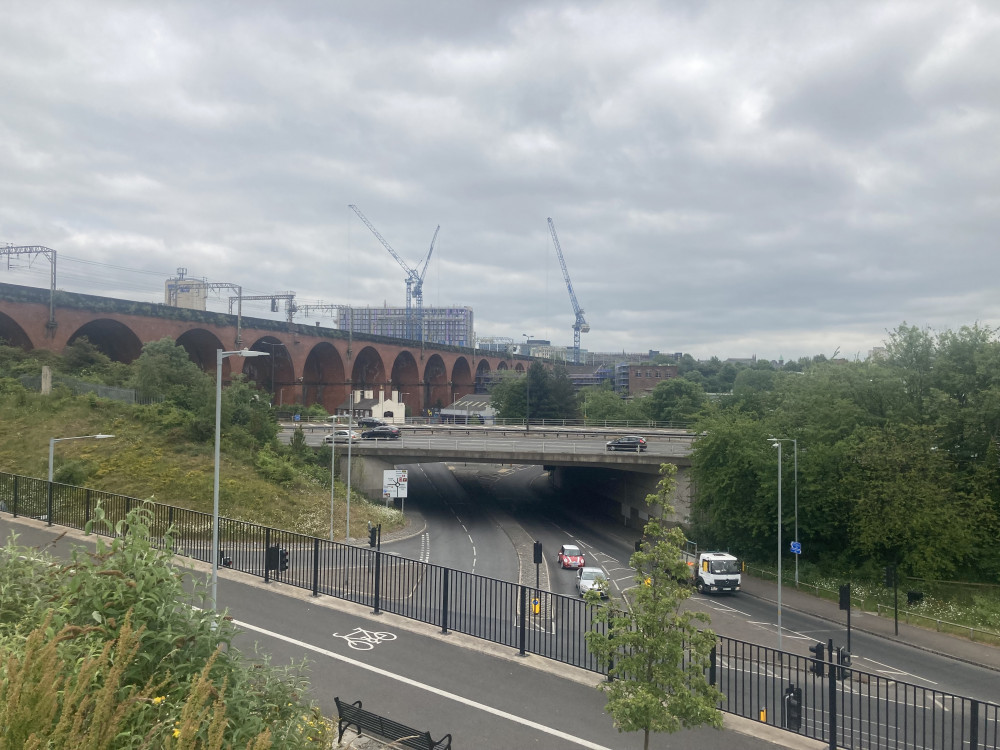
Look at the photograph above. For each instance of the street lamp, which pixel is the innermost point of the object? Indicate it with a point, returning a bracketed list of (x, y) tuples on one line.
[(53, 441), (776, 442), (527, 388), (220, 355)]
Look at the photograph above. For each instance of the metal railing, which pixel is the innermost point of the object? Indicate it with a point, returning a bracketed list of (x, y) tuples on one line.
[(844, 707), (476, 605)]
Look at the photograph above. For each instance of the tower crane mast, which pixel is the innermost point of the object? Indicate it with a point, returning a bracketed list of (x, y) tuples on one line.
[(414, 278), (580, 325)]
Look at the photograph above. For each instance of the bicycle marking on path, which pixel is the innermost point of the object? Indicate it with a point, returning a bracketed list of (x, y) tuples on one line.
[(365, 640)]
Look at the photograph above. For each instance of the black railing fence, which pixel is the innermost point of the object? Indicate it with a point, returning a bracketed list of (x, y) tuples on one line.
[(844, 707)]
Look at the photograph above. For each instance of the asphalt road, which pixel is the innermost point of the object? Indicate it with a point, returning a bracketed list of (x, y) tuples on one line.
[(485, 696), (524, 499)]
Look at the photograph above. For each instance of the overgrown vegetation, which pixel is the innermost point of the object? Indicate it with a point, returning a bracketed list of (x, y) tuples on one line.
[(165, 451), (898, 461), (109, 651)]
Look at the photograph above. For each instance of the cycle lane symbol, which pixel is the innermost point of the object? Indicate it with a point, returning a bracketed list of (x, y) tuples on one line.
[(365, 640)]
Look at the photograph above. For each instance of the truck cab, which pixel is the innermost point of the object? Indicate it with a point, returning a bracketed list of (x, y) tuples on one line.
[(716, 572)]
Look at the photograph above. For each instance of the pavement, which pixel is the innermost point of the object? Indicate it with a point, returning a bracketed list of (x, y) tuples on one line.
[(925, 639)]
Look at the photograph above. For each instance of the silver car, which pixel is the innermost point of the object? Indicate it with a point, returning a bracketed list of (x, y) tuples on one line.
[(591, 578), (342, 436)]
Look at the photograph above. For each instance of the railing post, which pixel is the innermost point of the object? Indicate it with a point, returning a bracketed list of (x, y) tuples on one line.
[(444, 601), (15, 501), (86, 508), (712, 662), (316, 566), (267, 546), (522, 621), (378, 582), (974, 729), (48, 515), (832, 675)]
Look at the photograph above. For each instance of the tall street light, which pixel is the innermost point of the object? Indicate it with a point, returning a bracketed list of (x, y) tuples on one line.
[(527, 388), (220, 355), (795, 447), (53, 441), (776, 442)]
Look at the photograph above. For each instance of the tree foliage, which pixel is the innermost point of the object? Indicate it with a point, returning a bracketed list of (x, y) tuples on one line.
[(897, 458), (656, 655), (541, 394)]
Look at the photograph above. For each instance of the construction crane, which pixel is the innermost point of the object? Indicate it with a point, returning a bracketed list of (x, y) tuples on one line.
[(414, 278), (580, 325)]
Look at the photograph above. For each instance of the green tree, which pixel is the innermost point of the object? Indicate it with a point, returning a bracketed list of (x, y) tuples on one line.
[(601, 404), (676, 400), (164, 369), (541, 394), (657, 657), (906, 509)]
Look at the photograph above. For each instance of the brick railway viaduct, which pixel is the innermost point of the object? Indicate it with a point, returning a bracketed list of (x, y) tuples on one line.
[(312, 364), (308, 364)]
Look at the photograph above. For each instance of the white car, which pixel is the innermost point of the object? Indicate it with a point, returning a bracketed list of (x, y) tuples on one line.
[(590, 578), (342, 436)]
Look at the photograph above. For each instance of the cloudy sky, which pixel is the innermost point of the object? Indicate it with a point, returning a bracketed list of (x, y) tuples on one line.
[(738, 178)]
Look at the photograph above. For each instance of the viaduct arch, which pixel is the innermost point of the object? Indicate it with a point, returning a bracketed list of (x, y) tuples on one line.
[(308, 364)]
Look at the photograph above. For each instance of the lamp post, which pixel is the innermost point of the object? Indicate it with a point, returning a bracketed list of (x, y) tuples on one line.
[(527, 389), (220, 355), (795, 447), (777, 443), (53, 441), (350, 440)]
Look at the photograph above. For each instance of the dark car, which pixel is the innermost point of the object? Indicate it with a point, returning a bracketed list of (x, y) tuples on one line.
[(382, 432), (632, 443), (370, 422)]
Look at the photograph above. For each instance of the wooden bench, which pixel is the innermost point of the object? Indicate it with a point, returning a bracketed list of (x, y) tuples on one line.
[(352, 714)]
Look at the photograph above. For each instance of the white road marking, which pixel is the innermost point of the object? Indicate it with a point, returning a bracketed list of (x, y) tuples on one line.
[(429, 688), (892, 670)]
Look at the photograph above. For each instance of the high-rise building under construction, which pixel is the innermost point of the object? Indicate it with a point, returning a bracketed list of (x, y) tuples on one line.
[(441, 325)]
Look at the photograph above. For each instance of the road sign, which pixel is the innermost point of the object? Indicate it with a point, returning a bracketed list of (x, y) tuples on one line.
[(796, 548), (394, 483)]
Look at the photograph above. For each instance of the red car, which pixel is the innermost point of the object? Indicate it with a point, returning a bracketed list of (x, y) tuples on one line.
[(570, 556)]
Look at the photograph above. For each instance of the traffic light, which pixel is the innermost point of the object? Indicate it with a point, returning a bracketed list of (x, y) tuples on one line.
[(538, 553), (845, 596), (844, 661), (282, 558), (793, 708), (638, 545), (890, 576), (271, 558), (225, 562), (818, 667), (372, 536)]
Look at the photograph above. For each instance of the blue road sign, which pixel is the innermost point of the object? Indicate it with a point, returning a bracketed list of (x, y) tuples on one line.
[(796, 548)]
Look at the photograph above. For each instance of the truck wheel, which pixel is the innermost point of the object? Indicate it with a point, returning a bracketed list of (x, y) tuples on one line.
[(701, 587)]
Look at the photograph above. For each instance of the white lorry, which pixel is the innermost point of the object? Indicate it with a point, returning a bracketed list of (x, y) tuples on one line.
[(715, 571)]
